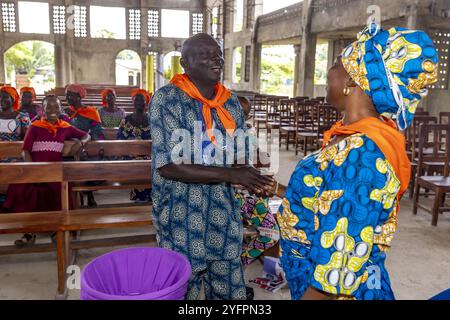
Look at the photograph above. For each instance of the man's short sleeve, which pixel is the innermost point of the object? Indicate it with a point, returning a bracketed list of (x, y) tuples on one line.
[(165, 119)]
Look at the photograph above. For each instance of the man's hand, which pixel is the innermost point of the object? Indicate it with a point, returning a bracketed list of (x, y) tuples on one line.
[(252, 180)]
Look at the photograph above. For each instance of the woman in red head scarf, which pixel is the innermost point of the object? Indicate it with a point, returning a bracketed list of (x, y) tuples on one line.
[(110, 114), (27, 98)]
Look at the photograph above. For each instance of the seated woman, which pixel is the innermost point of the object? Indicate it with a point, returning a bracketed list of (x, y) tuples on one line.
[(13, 123), (44, 142), (27, 105), (84, 118), (339, 215), (110, 114), (136, 126)]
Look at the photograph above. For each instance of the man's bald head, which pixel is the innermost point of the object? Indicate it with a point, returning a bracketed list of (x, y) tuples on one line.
[(202, 59), (194, 42)]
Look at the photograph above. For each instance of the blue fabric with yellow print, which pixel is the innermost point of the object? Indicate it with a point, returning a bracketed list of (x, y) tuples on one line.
[(201, 221), (338, 219), (393, 67)]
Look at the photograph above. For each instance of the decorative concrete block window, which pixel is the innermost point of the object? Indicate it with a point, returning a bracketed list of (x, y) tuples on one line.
[(238, 15), (79, 21), (9, 17), (237, 64), (59, 19), (153, 23), (107, 22), (33, 17), (175, 23), (134, 24), (197, 23), (442, 43)]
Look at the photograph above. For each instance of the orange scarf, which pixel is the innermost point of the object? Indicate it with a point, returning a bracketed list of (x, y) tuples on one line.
[(183, 82), (52, 128), (385, 135), (87, 112)]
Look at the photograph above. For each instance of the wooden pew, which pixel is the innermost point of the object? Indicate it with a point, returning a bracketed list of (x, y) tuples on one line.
[(106, 149), (67, 220)]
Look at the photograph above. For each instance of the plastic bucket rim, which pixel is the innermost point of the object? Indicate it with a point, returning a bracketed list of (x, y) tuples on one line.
[(184, 278)]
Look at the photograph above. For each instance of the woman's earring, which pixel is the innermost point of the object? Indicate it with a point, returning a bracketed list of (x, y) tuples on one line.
[(346, 91)]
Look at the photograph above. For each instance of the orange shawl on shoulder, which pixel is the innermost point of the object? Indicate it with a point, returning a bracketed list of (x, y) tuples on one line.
[(87, 112), (386, 136), (52, 128)]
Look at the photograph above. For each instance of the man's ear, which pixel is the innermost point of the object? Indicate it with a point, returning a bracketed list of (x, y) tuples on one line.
[(184, 64)]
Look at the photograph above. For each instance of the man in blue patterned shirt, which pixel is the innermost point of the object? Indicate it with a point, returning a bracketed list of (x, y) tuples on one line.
[(194, 209)]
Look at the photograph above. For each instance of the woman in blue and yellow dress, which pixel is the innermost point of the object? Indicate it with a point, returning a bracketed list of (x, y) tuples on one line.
[(339, 215)]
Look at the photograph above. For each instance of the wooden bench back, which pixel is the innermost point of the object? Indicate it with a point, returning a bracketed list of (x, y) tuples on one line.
[(76, 171), (119, 148), (35, 172)]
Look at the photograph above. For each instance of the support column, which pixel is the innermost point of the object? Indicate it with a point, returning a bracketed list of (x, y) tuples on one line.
[(330, 58), (2, 63), (145, 47), (411, 20), (297, 67), (175, 65), (159, 73), (59, 63), (256, 68), (150, 74), (307, 61)]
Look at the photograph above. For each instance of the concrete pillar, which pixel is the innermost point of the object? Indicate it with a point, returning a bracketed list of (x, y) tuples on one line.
[(2, 61), (159, 74), (255, 76), (150, 74), (145, 45), (411, 19), (297, 49), (60, 78), (305, 86), (330, 54), (175, 66)]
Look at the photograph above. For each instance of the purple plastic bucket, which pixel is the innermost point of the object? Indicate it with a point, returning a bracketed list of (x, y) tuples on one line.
[(136, 274)]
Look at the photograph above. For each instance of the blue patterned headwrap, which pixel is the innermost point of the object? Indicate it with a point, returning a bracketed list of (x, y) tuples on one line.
[(393, 67)]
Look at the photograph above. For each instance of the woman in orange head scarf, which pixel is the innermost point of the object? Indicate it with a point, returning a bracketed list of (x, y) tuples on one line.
[(81, 116), (14, 96), (27, 98), (136, 126), (110, 114), (13, 123)]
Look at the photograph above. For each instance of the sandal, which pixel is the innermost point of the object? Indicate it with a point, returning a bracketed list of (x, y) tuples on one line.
[(28, 239)]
